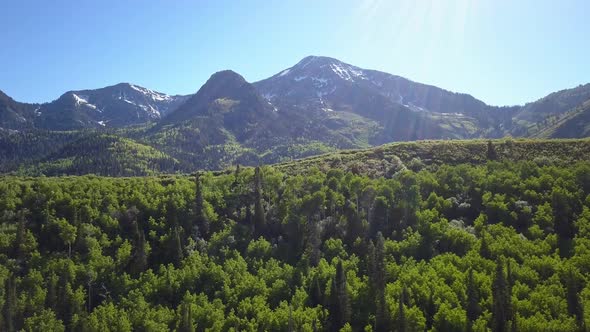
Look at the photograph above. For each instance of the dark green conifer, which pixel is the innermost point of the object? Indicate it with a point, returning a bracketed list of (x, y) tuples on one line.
[(501, 300), (259, 214), (202, 221), (472, 309), (402, 324), (10, 305), (339, 300), (491, 153)]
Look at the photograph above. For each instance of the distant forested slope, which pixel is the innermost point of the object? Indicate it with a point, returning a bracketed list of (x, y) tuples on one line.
[(466, 246)]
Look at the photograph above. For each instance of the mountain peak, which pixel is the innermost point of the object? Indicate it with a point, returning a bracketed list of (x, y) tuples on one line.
[(222, 82), (321, 69), (317, 60), (229, 87), (226, 76)]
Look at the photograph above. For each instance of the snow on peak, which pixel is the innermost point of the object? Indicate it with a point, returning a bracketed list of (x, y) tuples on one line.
[(154, 95), (80, 99), (83, 100), (285, 72), (347, 72)]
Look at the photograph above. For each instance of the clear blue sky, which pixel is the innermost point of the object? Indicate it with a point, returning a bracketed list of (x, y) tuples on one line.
[(500, 51)]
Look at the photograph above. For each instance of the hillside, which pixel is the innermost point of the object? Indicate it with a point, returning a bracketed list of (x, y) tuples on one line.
[(15, 115), (102, 154), (389, 159), (318, 105), (454, 247)]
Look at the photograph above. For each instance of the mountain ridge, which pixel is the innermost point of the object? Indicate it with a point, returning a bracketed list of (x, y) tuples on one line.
[(318, 105)]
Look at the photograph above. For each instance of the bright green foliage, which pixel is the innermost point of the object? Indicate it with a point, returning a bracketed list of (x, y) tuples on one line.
[(495, 246)]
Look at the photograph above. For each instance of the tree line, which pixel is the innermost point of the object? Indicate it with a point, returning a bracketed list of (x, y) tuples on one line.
[(501, 246)]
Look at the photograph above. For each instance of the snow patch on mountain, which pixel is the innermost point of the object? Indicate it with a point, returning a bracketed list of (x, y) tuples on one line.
[(154, 95), (348, 73), (152, 112), (83, 100), (285, 72)]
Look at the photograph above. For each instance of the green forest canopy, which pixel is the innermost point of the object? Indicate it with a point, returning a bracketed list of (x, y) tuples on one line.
[(498, 246)]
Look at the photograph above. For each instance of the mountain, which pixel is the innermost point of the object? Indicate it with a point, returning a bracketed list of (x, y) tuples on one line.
[(318, 105), (15, 115), (226, 119), (119, 105), (404, 110), (560, 114), (228, 97)]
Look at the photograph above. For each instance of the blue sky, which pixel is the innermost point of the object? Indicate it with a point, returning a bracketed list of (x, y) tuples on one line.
[(500, 51)]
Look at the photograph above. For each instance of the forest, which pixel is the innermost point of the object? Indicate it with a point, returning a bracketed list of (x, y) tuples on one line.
[(495, 246)]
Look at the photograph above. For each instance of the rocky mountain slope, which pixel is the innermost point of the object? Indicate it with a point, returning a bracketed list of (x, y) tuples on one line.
[(318, 105)]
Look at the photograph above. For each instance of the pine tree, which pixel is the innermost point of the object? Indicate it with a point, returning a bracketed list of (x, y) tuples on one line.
[(17, 251), (259, 214), (402, 325), (381, 310), (202, 221), (472, 309), (51, 298), (63, 287), (430, 310), (139, 260), (186, 320), (380, 216), (9, 310), (491, 153), (291, 326), (501, 300), (339, 301), (354, 225), (484, 249), (511, 306), (574, 306), (315, 292), (313, 243), (176, 246)]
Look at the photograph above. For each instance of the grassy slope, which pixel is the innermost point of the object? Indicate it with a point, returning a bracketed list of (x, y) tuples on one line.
[(390, 158)]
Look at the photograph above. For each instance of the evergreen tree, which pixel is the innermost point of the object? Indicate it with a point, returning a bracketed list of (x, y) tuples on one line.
[(472, 309), (259, 214), (10, 305), (430, 310), (501, 300), (380, 216), (491, 153), (186, 320), (202, 221), (139, 259), (339, 301), (176, 249), (402, 324), (315, 292), (291, 327), (484, 249), (62, 309), (354, 225), (574, 305), (52, 292), (378, 280), (17, 251)]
